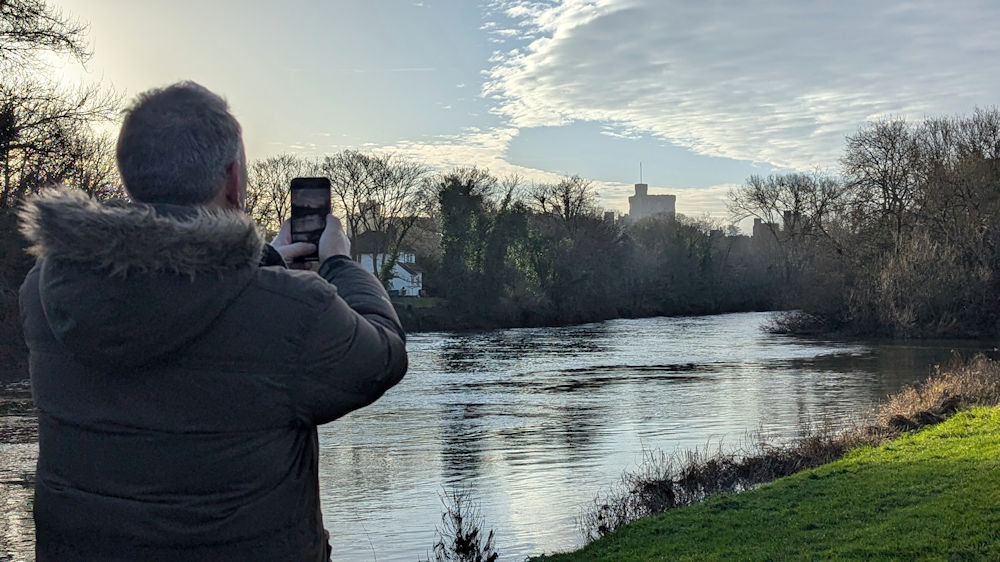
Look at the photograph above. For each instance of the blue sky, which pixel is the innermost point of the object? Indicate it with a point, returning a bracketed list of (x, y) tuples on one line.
[(702, 93)]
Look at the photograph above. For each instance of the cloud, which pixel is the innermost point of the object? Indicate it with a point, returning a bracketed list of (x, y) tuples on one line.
[(473, 147), (778, 81), (403, 69), (701, 201), (620, 132)]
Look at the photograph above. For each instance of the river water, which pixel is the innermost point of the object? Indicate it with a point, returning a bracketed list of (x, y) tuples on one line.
[(531, 424)]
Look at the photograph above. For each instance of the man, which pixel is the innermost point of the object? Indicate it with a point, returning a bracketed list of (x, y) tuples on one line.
[(179, 379)]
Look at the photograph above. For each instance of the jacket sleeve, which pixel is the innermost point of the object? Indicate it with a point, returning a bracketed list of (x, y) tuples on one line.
[(270, 257), (355, 351)]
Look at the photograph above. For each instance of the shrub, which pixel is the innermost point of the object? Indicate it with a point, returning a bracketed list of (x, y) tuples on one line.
[(461, 537)]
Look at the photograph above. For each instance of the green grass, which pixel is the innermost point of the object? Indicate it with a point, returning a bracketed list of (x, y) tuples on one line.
[(933, 495)]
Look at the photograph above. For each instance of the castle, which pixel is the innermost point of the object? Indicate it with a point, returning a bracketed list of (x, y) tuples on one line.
[(642, 204)]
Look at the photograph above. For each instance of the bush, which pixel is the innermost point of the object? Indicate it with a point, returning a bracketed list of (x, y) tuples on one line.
[(461, 537)]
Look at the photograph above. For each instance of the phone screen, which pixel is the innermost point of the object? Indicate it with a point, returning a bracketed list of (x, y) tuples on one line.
[(310, 206)]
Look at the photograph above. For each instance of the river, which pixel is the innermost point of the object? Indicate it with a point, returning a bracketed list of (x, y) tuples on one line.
[(533, 423)]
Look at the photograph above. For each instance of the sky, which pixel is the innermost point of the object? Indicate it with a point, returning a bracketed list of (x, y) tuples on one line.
[(703, 94)]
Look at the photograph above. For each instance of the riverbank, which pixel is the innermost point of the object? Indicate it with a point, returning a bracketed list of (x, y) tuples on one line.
[(432, 314), (927, 495)]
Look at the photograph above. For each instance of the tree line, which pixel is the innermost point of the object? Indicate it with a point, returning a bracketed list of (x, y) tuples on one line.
[(505, 252), (904, 242)]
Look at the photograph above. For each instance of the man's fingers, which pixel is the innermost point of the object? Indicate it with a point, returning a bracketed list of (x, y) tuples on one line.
[(284, 236), (334, 241), (296, 249)]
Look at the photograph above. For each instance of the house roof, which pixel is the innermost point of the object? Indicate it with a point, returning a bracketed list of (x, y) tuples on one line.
[(411, 268), (373, 242)]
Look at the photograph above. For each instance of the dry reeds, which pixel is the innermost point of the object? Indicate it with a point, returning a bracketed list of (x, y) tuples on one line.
[(664, 482), (963, 385)]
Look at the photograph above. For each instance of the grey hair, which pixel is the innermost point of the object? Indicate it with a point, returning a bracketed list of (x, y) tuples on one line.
[(176, 144)]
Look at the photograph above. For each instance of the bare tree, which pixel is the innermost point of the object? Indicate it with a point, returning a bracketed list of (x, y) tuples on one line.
[(43, 128), (351, 184), (882, 164), (573, 197), (92, 167), (960, 161), (796, 204), (379, 192), (30, 26), (802, 213), (511, 189), (268, 182)]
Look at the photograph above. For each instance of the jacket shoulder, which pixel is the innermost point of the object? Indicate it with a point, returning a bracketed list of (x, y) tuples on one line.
[(303, 287), (267, 324)]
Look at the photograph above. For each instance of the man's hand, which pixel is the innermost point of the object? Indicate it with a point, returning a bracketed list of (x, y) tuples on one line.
[(334, 241), (290, 250)]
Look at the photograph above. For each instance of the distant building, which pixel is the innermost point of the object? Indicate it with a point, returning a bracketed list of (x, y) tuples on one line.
[(642, 204), (764, 230), (792, 222), (407, 277)]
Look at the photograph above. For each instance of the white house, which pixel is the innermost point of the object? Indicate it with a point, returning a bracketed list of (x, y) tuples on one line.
[(407, 277)]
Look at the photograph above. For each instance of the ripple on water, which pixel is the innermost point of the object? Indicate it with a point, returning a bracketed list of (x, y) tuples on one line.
[(17, 480)]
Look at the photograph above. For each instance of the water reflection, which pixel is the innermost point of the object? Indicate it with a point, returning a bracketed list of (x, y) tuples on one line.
[(462, 441), (534, 422), (18, 453)]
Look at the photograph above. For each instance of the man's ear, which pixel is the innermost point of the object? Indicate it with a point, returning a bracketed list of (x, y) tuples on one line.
[(233, 189)]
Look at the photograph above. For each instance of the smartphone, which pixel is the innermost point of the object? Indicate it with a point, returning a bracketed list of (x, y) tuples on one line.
[(310, 206)]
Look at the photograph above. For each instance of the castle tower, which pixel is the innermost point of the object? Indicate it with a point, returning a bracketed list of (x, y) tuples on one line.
[(642, 205)]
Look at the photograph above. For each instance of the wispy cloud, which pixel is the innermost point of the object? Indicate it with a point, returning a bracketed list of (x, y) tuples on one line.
[(621, 132), (780, 81), (472, 147), (404, 69)]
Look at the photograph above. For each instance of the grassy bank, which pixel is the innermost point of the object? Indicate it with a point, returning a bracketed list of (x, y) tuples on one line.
[(927, 495)]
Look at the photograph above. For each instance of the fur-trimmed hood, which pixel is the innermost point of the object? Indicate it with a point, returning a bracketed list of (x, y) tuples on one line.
[(122, 238), (122, 285)]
